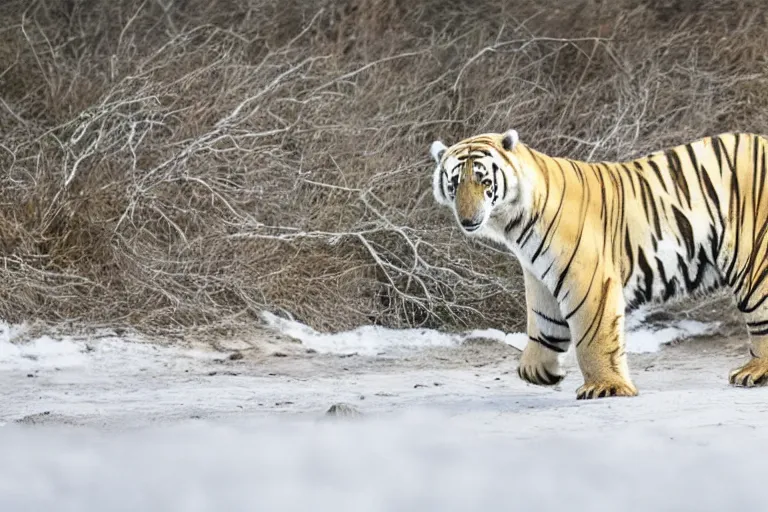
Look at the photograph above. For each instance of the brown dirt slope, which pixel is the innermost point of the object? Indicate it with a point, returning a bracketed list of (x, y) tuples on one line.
[(178, 163)]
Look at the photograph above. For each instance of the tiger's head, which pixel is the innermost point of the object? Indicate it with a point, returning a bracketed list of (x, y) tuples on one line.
[(476, 176)]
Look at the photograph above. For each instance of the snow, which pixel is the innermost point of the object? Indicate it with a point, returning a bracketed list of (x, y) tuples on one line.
[(367, 340), (105, 422), (40, 352), (375, 340), (413, 462), (643, 337), (69, 352)]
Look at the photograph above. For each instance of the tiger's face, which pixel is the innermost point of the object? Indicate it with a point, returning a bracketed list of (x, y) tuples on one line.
[(473, 178)]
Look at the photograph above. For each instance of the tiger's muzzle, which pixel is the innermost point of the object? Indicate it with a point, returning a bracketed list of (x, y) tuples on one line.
[(471, 205)]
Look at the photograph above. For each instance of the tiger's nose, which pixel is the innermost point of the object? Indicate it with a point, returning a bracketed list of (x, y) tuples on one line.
[(470, 224)]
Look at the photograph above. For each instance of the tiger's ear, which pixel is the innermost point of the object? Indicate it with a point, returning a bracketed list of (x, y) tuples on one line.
[(437, 150), (509, 140)]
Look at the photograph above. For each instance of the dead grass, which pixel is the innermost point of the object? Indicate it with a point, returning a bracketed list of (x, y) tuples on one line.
[(179, 163)]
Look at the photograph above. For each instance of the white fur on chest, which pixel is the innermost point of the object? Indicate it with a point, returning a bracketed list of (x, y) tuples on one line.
[(494, 230)]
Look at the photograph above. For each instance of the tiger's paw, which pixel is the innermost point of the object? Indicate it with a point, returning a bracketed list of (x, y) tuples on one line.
[(540, 365), (752, 374), (540, 373), (605, 389)]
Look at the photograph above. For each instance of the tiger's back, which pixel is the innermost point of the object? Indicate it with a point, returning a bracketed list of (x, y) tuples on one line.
[(598, 238), (671, 221)]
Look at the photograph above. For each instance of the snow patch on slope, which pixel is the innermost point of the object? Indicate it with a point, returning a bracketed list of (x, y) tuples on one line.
[(62, 352), (373, 340)]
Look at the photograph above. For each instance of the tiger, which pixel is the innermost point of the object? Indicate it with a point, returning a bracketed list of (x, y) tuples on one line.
[(597, 239)]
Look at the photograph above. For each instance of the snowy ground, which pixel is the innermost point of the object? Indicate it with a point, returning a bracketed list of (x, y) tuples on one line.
[(113, 423)]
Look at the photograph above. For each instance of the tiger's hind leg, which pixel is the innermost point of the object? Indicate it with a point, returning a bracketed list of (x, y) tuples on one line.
[(755, 371), (548, 336), (747, 275)]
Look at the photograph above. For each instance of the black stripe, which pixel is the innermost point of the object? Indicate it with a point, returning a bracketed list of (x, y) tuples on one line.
[(598, 319), (602, 193), (742, 305), (471, 153), (554, 339), (710, 189), (443, 172), (760, 238), (504, 180), (562, 323), (754, 195), (670, 287), (603, 205), (585, 206), (759, 332), (614, 356), (735, 213), (654, 208), (762, 173), (553, 348), (542, 167), (755, 155), (543, 170), (738, 281), (686, 231), (549, 228), (676, 171), (642, 262), (527, 228), (749, 265), (759, 323), (559, 214), (513, 222), (583, 299), (630, 255), (692, 284), (718, 156), (692, 156), (644, 199), (711, 214), (619, 216), (629, 177), (527, 237), (732, 164), (656, 170), (714, 242)]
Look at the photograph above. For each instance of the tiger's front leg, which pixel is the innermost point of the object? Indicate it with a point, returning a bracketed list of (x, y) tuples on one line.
[(548, 336), (597, 325)]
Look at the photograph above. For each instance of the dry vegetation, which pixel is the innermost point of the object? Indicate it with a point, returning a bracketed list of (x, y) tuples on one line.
[(179, 162)]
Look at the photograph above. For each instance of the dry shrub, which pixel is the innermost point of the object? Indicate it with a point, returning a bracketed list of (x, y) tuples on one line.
[(177, 163)]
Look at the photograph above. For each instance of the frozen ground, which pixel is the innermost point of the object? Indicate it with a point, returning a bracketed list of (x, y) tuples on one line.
[(108, 422)]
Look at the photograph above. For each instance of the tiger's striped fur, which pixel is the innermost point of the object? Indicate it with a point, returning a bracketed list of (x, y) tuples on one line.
[(597, 238)]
